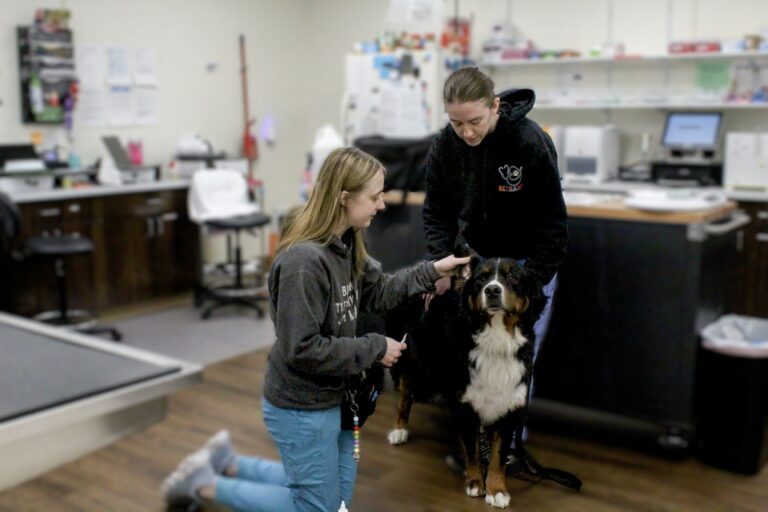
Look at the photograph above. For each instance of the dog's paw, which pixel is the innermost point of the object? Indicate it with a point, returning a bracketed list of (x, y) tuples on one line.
[(498, 500), (398, 436), (474, 491), (475, 488)]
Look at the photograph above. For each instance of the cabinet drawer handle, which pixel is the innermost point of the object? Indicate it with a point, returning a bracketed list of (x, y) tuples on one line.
[(154, 201), (50, 212), (150, 227), (762, 215), (761, 237), (170, 217), (74, 208)]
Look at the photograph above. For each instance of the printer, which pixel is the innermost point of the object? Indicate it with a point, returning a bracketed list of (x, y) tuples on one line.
[(746, 161), (22, 170), (591, 154)]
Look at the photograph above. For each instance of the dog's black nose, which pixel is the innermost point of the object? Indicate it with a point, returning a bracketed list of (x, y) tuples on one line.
[(492, 291)]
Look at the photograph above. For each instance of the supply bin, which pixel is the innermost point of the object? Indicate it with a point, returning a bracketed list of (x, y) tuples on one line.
[(732, 395)]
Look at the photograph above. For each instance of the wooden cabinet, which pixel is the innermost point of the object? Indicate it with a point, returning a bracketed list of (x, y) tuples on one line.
[(145, 247), (749, 292), (152, 246), (34, 279)]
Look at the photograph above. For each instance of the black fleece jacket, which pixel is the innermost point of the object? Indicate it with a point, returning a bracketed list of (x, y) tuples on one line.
[(503, 196)]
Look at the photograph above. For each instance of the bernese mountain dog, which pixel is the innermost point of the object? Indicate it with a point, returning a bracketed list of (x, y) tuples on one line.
[(473, 347)]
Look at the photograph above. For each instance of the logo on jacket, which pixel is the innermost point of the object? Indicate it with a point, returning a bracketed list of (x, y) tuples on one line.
[(512, 176)]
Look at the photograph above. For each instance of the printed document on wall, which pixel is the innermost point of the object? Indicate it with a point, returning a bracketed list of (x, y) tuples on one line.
[(145, 105), (120, 106), (145, 66), (90, 67), (92, 107), (402, 112), (118, 66)]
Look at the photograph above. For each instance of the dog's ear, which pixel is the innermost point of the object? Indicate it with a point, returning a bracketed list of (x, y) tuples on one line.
[(465, 272), (461, 277), (462, 249), (474, 261)]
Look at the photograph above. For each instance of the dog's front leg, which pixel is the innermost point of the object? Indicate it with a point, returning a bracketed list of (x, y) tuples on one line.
[(499, 441), (469, 430), (400, 434)]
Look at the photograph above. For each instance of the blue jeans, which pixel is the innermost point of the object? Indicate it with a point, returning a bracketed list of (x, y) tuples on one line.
[(542, 324), (318, 469), (540, 328)]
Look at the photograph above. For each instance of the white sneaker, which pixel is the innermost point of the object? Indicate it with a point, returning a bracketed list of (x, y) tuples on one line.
[(221, 452), (192, 473)]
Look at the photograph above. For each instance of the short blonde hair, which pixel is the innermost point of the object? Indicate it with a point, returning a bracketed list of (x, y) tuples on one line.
[(345, 169)]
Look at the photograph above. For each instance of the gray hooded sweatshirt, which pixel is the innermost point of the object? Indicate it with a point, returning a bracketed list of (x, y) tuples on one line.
[(314, 306)]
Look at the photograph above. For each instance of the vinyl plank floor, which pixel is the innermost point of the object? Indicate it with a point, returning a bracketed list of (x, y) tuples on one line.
[(411, 478)]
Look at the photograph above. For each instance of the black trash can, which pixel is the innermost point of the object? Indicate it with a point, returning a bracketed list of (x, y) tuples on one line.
[(732, 395)]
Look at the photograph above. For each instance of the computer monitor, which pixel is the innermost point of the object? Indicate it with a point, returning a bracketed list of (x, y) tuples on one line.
[(692, 130)]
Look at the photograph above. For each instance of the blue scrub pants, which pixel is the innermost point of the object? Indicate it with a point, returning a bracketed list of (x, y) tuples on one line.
[(318, 469)]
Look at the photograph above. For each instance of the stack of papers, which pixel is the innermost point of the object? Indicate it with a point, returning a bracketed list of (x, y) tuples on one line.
[(675, 200), (24, 165)]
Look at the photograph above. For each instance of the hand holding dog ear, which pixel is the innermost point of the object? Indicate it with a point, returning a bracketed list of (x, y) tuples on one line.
[(447, 266)]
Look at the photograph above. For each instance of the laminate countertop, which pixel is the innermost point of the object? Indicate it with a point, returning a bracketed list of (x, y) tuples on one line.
[(62, 194), (606, 206)]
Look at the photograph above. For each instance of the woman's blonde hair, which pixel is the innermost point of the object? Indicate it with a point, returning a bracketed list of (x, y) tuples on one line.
[(345, 169)]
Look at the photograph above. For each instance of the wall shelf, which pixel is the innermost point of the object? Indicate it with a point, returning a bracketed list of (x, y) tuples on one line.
[(651, 106), (641, 59)]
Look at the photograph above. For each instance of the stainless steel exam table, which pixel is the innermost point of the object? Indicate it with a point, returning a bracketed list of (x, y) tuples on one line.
[(64, 394)]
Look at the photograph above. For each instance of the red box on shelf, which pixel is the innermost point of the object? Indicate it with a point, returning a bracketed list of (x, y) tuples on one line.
[(706, 47), (680, 47)]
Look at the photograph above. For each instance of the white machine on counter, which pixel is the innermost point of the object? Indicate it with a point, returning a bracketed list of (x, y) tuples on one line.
[(127, 171), (22, 170), (556, 132), (746, 161), (591, 154)]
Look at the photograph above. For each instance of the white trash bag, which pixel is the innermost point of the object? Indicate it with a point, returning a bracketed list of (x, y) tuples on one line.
[(739, 336)]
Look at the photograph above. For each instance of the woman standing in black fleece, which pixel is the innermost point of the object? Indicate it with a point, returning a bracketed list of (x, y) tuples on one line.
[(492, 180)]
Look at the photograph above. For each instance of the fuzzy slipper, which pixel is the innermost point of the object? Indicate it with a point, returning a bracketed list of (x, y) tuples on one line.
[(192, 473), (221, 452)]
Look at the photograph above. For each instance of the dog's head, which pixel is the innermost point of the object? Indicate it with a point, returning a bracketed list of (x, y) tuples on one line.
[(501, 286)]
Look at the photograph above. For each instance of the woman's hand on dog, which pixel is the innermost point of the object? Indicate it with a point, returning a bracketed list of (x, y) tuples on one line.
[(394, 350), (447, 266)]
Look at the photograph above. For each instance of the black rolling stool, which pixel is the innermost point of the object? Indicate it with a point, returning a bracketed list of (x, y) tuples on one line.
[(57, 248), (236, 293)]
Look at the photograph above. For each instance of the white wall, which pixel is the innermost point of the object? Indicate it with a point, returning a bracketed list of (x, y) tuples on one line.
[(187, 35), (296, 60)]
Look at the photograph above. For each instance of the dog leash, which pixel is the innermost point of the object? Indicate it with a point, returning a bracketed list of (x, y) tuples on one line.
[(531, 470)]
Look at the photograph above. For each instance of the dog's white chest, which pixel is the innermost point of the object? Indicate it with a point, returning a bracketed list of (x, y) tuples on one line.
[(496, 382)]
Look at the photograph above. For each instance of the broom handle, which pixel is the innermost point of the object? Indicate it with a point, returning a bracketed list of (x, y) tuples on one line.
[(246, 112)]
